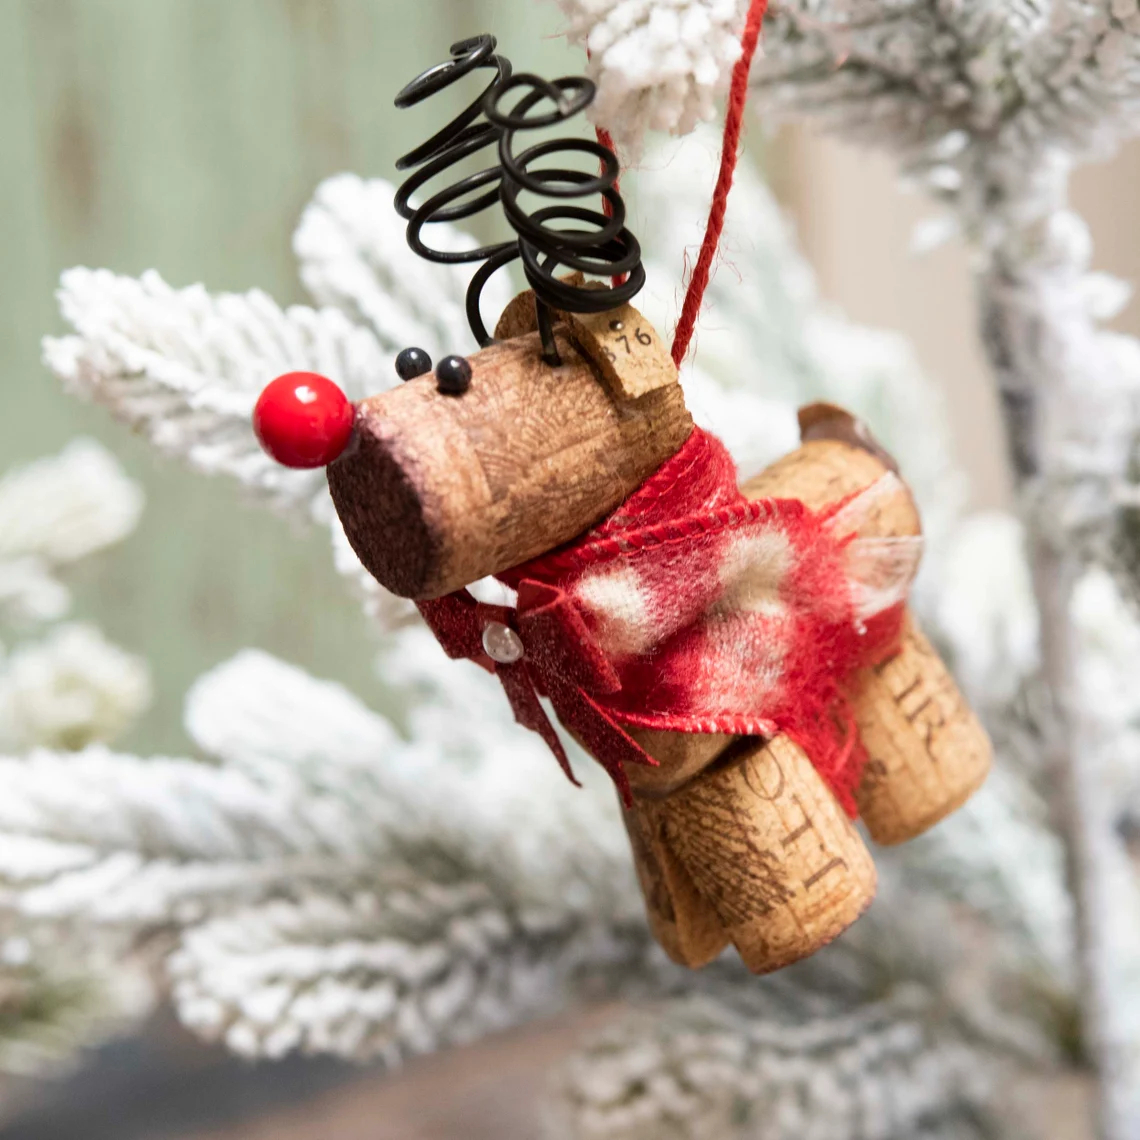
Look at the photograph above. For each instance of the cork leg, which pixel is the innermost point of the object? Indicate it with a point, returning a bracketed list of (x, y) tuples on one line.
[(927, 752), (687, 927), (772, 851)]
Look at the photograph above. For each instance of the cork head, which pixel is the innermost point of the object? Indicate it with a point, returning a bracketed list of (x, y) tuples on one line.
[(476, 464), (491, 460)]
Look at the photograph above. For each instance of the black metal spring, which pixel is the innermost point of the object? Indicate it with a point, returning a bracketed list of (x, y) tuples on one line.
[(465, 135), (603, 248)]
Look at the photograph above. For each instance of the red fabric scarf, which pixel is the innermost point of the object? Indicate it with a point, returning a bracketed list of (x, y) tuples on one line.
[(693, 610)]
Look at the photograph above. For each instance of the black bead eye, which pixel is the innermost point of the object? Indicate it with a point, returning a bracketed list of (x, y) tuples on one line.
[(412, 362), (453, 376)]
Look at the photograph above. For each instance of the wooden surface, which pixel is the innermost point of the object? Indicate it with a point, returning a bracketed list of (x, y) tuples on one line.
[(492, 1091), (164, 1085), (444, 490)]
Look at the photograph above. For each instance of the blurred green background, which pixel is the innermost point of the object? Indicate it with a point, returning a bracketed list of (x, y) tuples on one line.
[(187, 137)]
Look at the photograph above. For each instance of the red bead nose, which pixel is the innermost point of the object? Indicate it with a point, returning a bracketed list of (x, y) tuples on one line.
[(303, 419)]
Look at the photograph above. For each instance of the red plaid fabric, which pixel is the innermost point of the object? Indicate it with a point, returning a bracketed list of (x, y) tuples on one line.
[(691, 609)]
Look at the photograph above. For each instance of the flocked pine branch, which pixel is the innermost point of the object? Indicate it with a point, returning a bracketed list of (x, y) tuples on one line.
[(984, 608), (69, 690), (657, 66), (66, 688), (59, 995), (335, 888), (53, 513), (400, 967), (990, 106), (354, 256), (185, 368), (776, 1067)]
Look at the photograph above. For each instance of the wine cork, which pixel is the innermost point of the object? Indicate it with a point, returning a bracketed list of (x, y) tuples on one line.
[(684, 922), (439, 491), (769, 848), (625, 347), (822, 471), (926, 751), (680, 756)]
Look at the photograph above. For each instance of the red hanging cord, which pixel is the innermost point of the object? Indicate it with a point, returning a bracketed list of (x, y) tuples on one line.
[(734, 120), (607, 140)]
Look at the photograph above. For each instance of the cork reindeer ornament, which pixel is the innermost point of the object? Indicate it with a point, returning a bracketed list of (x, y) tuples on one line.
[(739, 658)]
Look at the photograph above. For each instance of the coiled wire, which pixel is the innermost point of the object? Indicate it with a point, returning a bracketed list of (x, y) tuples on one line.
[(598, 243)]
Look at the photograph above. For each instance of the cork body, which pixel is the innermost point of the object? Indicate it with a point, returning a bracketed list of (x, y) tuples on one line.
[(769, 852), (680, 756), (822, 471), (439, 491), (740, 841), (736, 840), (927, 753)]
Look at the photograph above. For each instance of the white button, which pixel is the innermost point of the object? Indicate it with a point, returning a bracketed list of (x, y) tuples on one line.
[(502, 643)]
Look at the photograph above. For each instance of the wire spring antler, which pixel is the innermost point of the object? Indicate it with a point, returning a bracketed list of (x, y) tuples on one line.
[(605, 248)]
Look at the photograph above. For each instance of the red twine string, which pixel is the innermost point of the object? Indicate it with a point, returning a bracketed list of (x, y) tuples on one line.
[(607, 140), (734, 121)]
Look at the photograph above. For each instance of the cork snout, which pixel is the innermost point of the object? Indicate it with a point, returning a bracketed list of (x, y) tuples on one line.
[(438, 490), (377, 490)]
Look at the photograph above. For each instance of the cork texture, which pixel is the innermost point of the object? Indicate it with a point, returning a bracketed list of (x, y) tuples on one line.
[(624, 346), (823, 471), (440, 491), (685, 923), (928, 753), (518, 318), (680, 756), (770, 849)]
